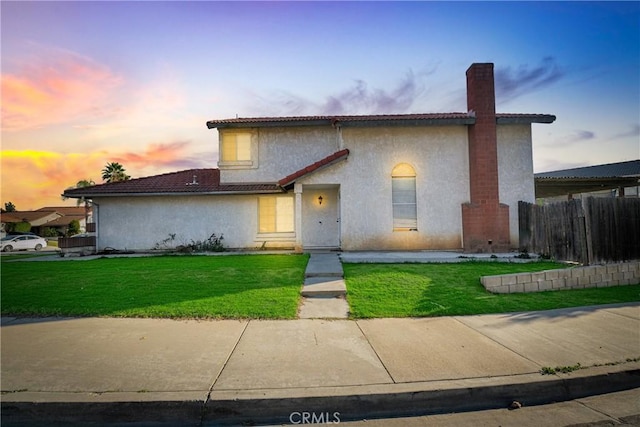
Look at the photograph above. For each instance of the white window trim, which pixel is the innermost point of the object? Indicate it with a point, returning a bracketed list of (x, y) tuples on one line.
[(239, 164), (275, 235), (405, 175)]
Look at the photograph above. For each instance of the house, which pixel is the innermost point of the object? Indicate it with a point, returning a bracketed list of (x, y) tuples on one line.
[(620, 179), (82, 214), (443, 181), (52, 217), (37, 220)]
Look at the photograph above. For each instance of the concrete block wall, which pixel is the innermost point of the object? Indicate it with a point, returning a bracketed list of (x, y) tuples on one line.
[(593, 276)]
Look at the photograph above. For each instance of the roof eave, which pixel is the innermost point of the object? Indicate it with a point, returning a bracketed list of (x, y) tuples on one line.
[(170, 193), (526, 120), (455, 121)]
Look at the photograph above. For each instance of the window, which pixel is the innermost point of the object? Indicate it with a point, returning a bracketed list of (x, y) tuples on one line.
[(235, 147), (275, 214), (403, 193)]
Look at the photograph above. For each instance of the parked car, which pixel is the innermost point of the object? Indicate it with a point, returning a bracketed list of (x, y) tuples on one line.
[(75, 236), (22, 242)]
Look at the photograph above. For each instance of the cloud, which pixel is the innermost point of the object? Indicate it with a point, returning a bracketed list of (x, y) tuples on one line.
[(360, 98), (55, 86), (44, 175), (572, 138), (511, 84), (161, 155), (634, 131)]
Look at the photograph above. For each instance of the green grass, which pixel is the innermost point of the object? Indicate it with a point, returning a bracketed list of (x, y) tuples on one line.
[(232, 286), (417, 290)]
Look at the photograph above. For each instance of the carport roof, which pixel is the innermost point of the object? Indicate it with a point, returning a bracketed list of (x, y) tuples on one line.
[(587, 179)]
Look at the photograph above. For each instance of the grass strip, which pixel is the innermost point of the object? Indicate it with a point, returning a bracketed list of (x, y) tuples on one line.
[(231, 286), (420, 290)]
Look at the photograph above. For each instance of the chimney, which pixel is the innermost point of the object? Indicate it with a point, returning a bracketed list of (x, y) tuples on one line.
[(485, 221)]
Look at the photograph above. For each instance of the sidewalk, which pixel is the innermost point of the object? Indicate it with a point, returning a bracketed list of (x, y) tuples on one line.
[(190, 372)]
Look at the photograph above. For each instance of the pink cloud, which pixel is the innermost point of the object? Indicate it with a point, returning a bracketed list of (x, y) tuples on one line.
[(156, 154), (44, 175), (55, 86)]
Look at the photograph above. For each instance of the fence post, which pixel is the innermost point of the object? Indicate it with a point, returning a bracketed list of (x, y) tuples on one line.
[(585, 230)]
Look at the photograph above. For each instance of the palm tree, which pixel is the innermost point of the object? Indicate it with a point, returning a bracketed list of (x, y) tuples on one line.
[(114, 172), (87, 203), (9, 207)]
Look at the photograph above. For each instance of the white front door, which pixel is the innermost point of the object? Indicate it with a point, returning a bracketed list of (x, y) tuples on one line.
[(321, 217)]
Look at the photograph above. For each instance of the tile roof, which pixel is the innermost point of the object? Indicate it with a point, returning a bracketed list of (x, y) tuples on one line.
[(191, 181), (622, 169), (65, 210), (377, 120), (64, 220), (327, 161), (29, 216)]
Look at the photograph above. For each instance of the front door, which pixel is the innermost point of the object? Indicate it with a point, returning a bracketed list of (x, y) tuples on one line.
[(321, 217)]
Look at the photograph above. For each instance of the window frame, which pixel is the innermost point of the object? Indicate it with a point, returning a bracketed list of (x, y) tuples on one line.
[(289, 230), (404, 172), (224, 139)]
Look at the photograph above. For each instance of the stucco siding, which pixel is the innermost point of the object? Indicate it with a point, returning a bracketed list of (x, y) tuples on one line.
[(439, 157), (139, 223), (284, 150), (515, 171)]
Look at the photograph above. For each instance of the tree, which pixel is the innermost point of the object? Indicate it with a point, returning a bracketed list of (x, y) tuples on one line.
[(114, 172), (9, 207), (87, 203), (74, 227)]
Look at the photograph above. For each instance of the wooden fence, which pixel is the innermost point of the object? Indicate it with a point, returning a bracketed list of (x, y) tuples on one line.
[(592, 230), (76, 242)]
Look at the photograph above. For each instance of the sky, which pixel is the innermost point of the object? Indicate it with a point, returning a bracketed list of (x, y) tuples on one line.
[(85, 83)]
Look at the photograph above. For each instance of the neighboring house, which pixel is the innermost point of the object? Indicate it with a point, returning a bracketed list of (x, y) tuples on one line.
[(444, 181), (609, 180), (37, 219), (69, 213), (56, 217)]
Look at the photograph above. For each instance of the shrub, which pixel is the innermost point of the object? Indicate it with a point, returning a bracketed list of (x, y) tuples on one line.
[(212, 244), (74, 227), (49, 232), (21, 227)]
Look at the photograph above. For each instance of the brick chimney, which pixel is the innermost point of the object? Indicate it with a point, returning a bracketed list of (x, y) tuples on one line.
[(485, 221)]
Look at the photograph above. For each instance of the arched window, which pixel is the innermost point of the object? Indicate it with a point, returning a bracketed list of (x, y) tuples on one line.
[(403, 190)]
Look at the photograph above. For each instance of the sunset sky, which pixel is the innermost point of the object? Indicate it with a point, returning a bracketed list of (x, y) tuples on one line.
[(86, 83)]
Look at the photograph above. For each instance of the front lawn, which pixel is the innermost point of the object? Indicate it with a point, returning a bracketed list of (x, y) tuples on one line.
[(230, 286), (417, 290)]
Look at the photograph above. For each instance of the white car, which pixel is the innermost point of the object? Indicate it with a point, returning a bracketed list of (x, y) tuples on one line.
[(23, 242)]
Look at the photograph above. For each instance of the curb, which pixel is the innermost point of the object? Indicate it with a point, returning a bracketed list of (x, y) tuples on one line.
[(329, 405)]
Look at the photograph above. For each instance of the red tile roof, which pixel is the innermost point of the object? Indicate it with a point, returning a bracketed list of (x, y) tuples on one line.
[(191, 181), (29, 216), (64, 210), (327, 161), (377, 120)]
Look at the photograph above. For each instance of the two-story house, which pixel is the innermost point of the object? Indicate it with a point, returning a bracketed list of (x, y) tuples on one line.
[(371, 182)]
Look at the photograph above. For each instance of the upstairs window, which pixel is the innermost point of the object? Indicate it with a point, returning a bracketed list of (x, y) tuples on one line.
[(235, 147), (275, 214), (403, 190)]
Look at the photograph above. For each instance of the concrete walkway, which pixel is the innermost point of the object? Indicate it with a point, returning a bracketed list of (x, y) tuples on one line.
[(189, 372), (324, 291)]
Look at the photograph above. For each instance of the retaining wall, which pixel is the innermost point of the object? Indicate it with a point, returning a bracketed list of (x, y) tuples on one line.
[(593, 276)]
